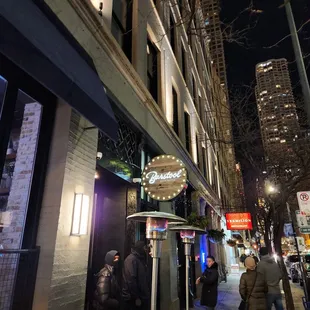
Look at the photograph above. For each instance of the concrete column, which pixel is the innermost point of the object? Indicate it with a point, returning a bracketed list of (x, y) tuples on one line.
[(62, 270), (168, 269)]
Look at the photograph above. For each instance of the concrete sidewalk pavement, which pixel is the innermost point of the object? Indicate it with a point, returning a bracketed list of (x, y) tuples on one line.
[(229, 298)]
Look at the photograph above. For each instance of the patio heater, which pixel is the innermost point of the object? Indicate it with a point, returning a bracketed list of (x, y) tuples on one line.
[(156, 232), (187, 234)]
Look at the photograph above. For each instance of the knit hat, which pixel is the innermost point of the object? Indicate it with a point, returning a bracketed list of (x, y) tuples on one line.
[(263, 251), (250, 263)]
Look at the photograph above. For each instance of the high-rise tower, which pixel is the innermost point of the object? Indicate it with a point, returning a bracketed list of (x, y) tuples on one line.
[(211, 12), (276, 107)]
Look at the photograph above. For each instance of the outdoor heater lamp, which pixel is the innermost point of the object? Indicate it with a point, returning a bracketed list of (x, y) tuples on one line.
[(187, 234), (156, 232)]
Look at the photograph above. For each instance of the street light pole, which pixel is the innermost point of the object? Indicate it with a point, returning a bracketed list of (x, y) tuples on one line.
[(298, 253), (299, 58)]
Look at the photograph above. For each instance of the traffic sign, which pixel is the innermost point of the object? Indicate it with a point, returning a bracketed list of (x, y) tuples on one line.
[(303, 221), (304, 201)]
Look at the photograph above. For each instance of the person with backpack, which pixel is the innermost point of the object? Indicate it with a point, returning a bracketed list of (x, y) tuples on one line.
[(107, 294), (252, 288)]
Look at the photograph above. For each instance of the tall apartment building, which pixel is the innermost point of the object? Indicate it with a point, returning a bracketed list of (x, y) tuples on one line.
[(99, 88), (211, 11), (276, 108)]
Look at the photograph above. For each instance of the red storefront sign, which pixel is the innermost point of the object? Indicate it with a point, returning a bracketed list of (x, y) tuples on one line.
[(238, 221)]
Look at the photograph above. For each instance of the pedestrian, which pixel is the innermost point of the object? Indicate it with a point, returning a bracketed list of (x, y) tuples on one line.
[(136, 287), (273, 275), (252, 288), (107, 293), (242, 258), (209, 280), (255, 258)]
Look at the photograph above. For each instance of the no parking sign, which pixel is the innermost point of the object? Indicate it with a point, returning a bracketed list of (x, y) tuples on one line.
[(304, 201)]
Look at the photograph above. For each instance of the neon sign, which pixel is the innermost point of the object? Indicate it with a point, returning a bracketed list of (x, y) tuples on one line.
[(154, 176), (164, 177)]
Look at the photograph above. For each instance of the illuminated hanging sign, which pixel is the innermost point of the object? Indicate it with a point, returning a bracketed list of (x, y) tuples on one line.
[(164, 177), (238, 221)]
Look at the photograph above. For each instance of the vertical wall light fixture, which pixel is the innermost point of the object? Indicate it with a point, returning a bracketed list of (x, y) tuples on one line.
[(80, 215)]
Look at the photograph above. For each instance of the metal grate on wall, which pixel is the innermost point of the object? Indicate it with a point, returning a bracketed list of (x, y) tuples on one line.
[(125, 148)]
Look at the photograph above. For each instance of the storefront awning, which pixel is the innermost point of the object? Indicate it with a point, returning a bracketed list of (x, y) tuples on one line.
[(30, 40)]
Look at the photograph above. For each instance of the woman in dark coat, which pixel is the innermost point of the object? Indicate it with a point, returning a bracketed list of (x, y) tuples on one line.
[(209, 281), (253, 287)]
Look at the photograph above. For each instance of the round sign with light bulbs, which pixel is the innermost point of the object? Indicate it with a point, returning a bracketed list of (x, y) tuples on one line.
[(164, 177)]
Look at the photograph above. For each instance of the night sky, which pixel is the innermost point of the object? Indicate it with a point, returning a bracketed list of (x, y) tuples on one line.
[(267, 28), (271, 27)]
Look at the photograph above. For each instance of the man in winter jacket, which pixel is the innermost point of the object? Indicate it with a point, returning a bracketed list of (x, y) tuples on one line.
[(136, 288), (270, 269), (107, 294)]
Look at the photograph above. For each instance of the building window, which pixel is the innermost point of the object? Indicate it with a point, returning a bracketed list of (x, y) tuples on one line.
[(194, 92), (122, 25), (172, 32), (197, 150), (175, 111), (204, 163), (187, 131), (181, 7), (183, 64), (152, 69)]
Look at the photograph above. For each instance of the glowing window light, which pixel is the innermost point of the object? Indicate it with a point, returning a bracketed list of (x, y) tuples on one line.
[(80, 215)]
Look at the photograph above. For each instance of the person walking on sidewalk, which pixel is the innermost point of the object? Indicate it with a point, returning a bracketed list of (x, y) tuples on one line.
[(209, 280), (270, 269), (253, 287), (136, 287)]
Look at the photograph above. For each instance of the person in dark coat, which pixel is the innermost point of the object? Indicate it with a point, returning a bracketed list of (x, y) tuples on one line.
[(107, 294), (209, 280), (136, 287), (253, 286)]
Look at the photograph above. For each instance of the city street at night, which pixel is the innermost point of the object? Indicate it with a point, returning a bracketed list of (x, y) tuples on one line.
[(153, 152)]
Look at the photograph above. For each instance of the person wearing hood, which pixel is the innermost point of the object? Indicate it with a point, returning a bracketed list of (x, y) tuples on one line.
[(209, 280), (136, 289), (253, 287), (273, 275), (107, 294)]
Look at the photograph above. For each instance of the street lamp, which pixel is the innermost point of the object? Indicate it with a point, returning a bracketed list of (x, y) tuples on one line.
[(187, 234), (156, 232), (271, 189)]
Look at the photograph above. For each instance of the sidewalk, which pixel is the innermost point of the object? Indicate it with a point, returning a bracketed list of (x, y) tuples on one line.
[(229, 298)]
